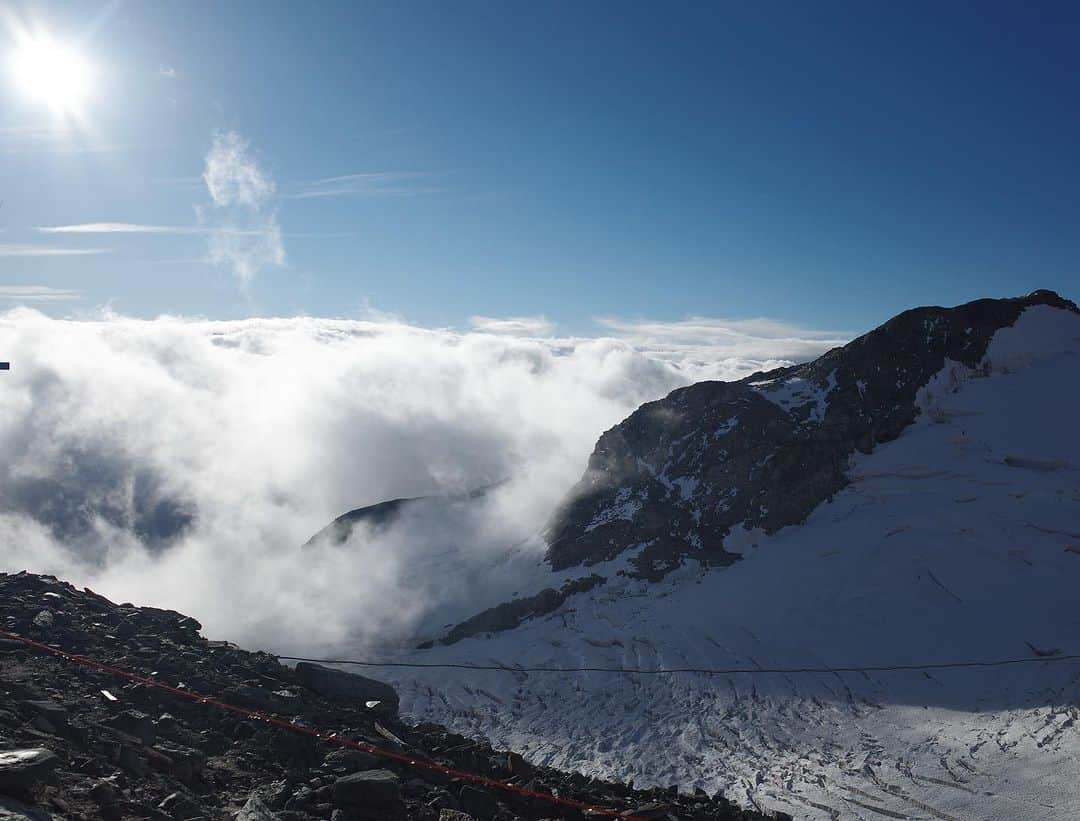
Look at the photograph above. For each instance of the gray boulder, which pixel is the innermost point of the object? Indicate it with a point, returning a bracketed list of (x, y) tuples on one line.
[(344, 761), (19, 769), (256, 810), (372, 790), (327, 681), (11, 810)]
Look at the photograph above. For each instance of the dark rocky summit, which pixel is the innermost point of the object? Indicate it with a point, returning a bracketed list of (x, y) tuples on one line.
[(678, 475), (381, 515), (510, 614), (82, 743), (376, 517)]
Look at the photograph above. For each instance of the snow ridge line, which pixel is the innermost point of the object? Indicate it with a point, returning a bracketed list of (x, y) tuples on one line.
[(332, 738), (712, 671)]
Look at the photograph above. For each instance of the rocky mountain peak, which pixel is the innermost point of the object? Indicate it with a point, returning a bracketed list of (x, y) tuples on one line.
[(680, 475)]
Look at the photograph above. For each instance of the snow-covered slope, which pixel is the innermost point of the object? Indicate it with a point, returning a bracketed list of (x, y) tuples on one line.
[(958, 540)]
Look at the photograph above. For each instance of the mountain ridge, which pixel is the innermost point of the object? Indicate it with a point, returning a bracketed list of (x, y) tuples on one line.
[(769, 447), (956, 540)]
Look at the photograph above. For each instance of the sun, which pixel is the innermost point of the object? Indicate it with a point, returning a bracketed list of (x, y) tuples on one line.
[(52, 73)]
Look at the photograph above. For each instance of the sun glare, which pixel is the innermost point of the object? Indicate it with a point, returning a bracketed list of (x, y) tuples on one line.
[(52, 73)]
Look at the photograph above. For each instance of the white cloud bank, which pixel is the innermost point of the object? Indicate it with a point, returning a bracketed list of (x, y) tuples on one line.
[(183, 463)]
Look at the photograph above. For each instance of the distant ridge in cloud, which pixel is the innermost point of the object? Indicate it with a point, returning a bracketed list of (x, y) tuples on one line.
[(243, 230), (513, 325)]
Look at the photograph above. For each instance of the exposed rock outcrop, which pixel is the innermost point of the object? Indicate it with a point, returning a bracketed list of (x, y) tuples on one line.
[(334, 683), (678, 475), (381, 515), (510, 614)]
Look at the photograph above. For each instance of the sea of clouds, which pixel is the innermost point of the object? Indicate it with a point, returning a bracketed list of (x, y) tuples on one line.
[(182, 463)]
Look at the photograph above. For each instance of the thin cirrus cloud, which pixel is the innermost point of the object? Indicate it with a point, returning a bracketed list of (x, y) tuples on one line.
[(240, 223), (16, 250), (52, 139), (381, 184), (38, 293), (136, 228), (117, 228), (178, 230)]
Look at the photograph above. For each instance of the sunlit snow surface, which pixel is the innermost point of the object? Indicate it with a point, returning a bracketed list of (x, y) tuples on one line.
[(960, 540)]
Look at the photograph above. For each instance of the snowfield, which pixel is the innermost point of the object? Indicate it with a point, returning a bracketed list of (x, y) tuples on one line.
[(958, 541)]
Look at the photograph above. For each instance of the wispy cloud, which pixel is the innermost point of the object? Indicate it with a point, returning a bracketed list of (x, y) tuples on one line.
[(118, 228), (242, 225), (513, 325), (53, 139), (29, 132), (9, 250), (195, 183), (382, 184), (138, 228), (232, 175), (38, 293)]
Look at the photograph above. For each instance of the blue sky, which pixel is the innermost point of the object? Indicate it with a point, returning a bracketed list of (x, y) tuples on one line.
[(825, 165)]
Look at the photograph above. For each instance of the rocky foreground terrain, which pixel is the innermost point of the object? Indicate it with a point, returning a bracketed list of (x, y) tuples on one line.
[(83, 743)]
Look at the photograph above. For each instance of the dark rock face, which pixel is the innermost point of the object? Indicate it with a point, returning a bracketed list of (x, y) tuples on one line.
[(11, 810), (20, 769), (376, 791), (340, 684), (674, 478), (383, 514), (509, 615), (81, 744), (376, 517)]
